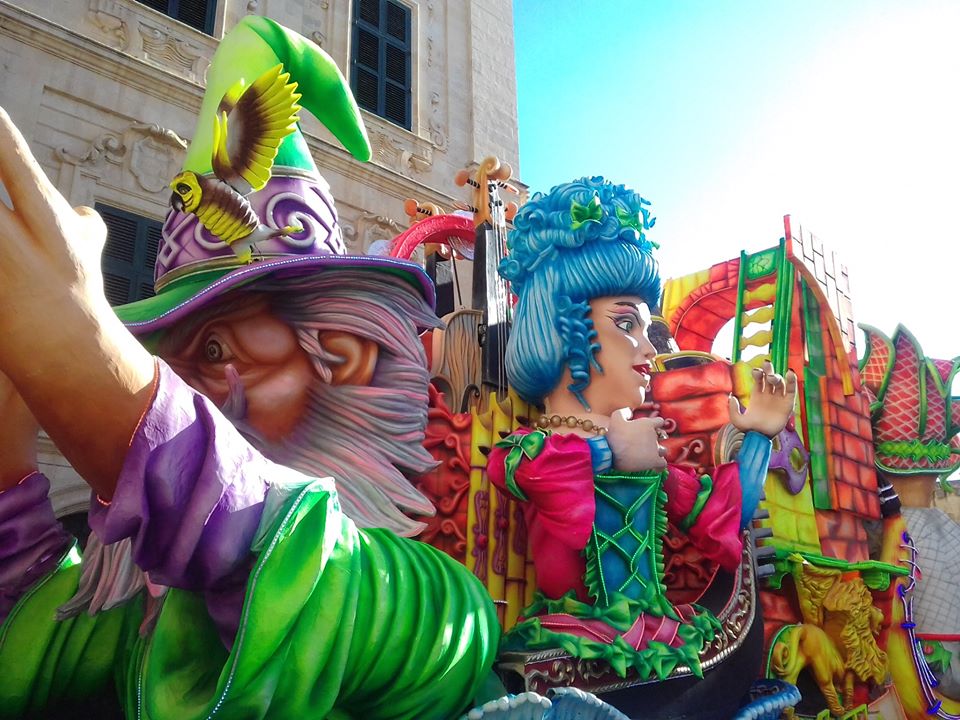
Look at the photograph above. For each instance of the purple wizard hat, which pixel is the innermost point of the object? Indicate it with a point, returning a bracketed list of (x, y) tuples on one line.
[(239, 214)]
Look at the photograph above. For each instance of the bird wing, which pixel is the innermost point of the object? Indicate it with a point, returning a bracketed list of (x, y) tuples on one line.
[(225, 213), (259, 118)]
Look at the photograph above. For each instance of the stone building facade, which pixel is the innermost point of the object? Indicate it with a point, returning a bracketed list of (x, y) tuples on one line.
[(107, 93)]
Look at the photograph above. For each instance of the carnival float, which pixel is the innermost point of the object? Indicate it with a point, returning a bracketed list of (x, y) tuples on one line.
[(557, 501)]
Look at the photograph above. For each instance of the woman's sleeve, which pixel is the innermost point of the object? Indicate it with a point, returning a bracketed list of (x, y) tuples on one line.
[(554, 473), (707, 509)]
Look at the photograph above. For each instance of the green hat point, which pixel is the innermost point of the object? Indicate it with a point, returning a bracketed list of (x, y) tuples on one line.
[(253, 47)]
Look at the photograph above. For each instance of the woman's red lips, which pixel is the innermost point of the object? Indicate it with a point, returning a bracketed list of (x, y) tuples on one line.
[(644, 370)]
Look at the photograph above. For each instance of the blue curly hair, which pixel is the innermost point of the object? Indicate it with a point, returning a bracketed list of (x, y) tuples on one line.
[(582, 240)]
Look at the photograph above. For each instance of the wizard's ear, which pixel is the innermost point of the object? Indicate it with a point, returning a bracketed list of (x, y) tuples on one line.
[(358, 357)]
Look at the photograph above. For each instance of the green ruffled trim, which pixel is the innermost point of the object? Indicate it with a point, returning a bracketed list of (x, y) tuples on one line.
[(932, 451), (656, 660), (619, 614), (703, 495)]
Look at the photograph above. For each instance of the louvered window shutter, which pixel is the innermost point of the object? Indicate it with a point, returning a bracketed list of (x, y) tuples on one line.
[(129, 255), (381, 69), (197, 14)]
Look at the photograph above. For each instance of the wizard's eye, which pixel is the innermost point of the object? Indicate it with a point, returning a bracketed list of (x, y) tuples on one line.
[(183, 188), (216, 351)]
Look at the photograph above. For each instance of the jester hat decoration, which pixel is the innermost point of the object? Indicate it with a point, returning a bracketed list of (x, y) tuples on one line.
[(250, 202)]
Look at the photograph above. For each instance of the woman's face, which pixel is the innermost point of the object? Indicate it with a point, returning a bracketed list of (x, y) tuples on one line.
[(625, 354)]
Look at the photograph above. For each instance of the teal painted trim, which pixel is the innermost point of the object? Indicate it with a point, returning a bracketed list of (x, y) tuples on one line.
[(815, 370), (738, 315), (782, 309), (870, 330)]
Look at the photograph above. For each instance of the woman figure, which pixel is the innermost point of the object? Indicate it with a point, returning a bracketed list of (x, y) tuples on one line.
[(597, 489)]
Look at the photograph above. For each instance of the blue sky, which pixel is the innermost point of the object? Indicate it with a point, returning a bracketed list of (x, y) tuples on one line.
[(729, 114)]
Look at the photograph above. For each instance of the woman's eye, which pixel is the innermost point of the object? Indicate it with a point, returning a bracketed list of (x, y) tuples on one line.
[(214, 351), (625, 324)]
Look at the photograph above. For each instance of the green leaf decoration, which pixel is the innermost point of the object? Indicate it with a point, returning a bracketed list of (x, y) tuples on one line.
[(938, 657), (582, 214), (634, 220), (521, 446)]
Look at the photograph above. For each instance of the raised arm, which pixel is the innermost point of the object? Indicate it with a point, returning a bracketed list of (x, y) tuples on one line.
[(82, 375)]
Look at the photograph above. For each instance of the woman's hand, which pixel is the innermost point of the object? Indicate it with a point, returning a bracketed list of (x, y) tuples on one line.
[(18, 436), (771, 402), (635, 444)]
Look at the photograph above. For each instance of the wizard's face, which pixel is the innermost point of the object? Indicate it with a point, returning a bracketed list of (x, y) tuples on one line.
[(246, 360)]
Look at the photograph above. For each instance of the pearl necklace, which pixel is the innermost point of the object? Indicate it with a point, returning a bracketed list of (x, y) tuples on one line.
[(545, 422)]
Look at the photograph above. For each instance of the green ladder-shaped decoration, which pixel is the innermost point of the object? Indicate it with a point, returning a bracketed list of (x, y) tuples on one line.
[(766, 276), (858, 713)]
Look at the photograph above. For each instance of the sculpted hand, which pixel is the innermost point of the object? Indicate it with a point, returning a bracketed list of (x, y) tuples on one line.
[(635, 443), (771, 402), (49, 252), (83, 376), (18, 436)]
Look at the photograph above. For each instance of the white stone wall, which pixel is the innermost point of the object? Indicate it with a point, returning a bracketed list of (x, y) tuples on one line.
[(107, 91)]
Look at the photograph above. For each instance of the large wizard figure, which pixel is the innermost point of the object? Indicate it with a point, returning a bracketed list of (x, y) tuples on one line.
[(249, 489)]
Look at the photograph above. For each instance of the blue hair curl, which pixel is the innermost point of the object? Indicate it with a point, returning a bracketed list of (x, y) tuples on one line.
[(582, 240)]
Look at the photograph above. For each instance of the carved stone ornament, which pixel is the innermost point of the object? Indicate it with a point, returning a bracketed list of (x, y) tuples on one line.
[(322, 21), (163, 46), (438, 135), (152, 153), (391, 153), (371, 227), (153, 160), (108, 146), (109, 18)]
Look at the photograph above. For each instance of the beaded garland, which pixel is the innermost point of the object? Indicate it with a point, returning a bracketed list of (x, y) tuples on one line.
[(545, 422)]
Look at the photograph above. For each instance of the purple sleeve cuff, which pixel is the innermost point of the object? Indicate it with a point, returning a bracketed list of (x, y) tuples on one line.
[(32, 540), (190, 494)]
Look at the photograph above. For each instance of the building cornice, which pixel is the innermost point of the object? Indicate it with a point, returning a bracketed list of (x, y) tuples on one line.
[(82, 51)]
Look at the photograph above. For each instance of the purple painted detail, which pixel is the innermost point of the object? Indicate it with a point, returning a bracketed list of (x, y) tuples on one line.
[(32, 540), (501, 525), (789, 456), (927, 679), (284, 201), (282, 267), (481, 541), (191, 496)]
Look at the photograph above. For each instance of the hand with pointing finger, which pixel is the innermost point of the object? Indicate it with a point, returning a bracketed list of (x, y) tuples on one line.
[(771, 405)]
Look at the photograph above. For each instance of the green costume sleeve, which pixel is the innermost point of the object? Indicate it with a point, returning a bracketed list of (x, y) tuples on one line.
[(337, 623), (45, 663)]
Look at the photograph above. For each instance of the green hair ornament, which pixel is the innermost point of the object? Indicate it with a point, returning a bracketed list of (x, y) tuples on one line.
[(582, 214)]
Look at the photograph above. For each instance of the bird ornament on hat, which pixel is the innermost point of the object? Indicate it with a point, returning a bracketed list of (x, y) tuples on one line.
[(260, 117)]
